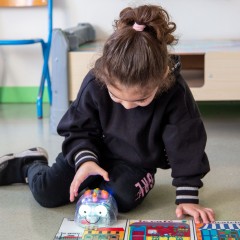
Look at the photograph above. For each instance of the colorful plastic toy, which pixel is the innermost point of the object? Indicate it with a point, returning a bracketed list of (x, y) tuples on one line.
[(96, 208)]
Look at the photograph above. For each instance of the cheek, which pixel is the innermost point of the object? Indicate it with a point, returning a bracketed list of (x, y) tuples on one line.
[(142, 104), (145, 103)]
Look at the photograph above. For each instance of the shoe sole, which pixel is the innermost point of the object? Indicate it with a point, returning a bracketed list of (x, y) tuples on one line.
[(33, 152)]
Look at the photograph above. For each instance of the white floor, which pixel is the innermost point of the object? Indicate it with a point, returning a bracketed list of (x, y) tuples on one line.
[(22, 218)]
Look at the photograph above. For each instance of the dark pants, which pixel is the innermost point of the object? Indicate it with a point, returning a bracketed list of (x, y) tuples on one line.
[(50, 185)]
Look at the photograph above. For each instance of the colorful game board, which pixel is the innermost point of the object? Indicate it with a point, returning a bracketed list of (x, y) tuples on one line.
[(222, 230), (152, 230), (70, 230), (156, 230)]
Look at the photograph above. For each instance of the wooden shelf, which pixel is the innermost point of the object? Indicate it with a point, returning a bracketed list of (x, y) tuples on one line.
[(211, 68)]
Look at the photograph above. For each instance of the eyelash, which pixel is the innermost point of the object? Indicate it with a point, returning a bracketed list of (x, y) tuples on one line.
[(140, 101)]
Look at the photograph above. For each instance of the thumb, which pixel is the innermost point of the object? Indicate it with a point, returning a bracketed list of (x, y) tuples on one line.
[(179, 212), (104, 174)]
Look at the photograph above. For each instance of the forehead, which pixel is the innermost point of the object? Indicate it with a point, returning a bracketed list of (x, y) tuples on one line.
[(130, 93)]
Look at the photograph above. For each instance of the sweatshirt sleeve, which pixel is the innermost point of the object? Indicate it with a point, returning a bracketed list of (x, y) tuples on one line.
[(80, 127), (185, 140)]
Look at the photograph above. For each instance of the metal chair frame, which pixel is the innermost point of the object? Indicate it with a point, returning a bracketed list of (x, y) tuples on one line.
[(46, 46)]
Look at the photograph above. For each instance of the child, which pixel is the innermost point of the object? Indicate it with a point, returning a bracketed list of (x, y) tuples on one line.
[(134, 113)]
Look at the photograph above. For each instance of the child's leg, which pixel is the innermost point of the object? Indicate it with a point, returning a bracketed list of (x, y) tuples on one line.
[(129, 185), (50, 185)]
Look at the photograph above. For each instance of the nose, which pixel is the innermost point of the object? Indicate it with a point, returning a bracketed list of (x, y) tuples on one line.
[(128, 105)]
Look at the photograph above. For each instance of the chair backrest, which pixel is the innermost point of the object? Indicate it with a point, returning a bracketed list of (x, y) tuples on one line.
[(23, 3), (32, 3), (46, 45)]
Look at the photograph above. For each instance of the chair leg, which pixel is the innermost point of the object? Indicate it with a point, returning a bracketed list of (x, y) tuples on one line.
[(39, 108), (45, 77), (40, 96), (49, 86)]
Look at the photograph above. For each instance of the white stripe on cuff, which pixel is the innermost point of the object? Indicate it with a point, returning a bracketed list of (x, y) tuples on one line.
[(86, 151), (187, 197), (187, 188), (80, 159)]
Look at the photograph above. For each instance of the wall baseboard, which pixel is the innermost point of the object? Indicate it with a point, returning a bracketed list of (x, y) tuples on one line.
[(21, 94)]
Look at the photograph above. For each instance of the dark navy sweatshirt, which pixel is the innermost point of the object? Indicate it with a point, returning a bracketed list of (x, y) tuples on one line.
[(168, 133)]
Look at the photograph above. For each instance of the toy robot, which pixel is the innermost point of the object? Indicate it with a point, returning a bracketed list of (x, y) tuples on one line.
[(96, 208)]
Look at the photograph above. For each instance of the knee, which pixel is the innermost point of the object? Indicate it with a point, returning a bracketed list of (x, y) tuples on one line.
[(126, 188), (47, 197), (126, 200), (125, 204), (45, 200)]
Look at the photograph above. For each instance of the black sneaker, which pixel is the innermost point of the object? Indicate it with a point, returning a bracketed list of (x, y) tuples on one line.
[(13, 167)]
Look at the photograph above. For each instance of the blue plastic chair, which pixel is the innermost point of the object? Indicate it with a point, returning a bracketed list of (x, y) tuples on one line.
[(46, 45)]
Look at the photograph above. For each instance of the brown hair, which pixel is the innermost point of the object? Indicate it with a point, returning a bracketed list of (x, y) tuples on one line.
[(139, 58)]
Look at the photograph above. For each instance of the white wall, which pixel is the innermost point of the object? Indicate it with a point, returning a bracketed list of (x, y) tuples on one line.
[(195, 19)]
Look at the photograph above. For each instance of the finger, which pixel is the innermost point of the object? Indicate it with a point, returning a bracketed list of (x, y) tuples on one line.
[(207, 215), (72, 193), (106, 177), (196, 217), (210, 210), (72, 197), (204, 216), (210, 214), (179, 212), (74, 189), (104, 174)]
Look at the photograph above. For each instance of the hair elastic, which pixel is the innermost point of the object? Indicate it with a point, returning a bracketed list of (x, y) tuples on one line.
[(138, 27)]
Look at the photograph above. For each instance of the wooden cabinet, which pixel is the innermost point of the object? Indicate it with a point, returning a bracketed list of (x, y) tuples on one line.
[(211, 68), (79, 63)]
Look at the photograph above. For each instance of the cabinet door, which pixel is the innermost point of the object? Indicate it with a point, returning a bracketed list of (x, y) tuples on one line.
[(79, 63), (222, 75)]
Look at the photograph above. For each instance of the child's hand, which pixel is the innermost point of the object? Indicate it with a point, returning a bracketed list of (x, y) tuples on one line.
[(85, 170), (200, 214)]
